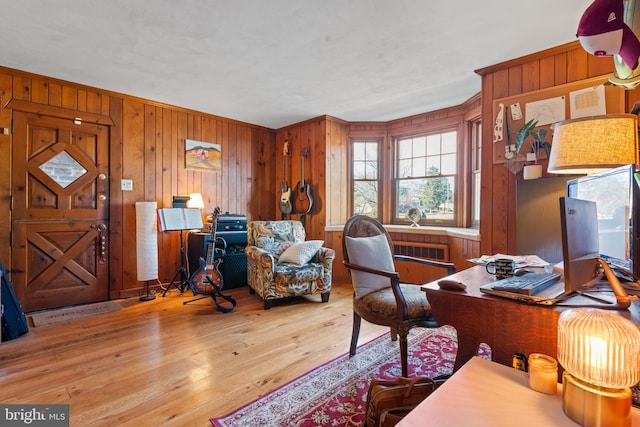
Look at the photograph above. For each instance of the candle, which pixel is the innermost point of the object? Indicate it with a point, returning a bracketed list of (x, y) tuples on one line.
[(543, 373)]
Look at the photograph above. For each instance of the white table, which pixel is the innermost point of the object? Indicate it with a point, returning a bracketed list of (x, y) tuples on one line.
[(484, 393)]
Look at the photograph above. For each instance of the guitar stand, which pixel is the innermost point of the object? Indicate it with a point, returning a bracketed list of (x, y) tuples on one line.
[(217, 292), (182, 272)]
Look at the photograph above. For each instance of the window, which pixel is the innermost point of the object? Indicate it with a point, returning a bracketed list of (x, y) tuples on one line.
[(365, 177), (426, 177), (475, 136)]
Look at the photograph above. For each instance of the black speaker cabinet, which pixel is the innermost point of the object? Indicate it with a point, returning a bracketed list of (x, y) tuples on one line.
[(233, 267)]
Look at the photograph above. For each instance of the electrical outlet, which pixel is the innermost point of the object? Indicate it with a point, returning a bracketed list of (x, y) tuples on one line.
[(126, 184)]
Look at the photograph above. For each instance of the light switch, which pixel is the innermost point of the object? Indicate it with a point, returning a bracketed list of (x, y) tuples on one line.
[(126, 184)]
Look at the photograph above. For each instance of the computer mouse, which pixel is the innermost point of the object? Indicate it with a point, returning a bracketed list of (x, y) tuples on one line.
[(451, 285), (521, 272)]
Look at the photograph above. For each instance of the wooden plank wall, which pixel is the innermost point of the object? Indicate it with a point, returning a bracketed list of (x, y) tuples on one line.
[(553, 67), (325, 170), (338, 165), (6, 92), (147, 146)]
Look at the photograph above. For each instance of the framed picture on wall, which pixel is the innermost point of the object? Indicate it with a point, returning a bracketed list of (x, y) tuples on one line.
[(202, 156)]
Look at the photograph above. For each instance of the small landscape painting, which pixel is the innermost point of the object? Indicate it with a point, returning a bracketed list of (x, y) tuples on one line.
[(203, 156)]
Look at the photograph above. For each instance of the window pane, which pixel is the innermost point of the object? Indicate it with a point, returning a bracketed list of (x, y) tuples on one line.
[(449, 142), (372, 152), (365, 198), (433, 165), (407, 196), (476, 197), (359, 170), (404, 168), (63, 169), (426, 177), (437, 196), (434, 196), (359, 151), (476, 147), (418, 166), (433, 145), (404, 148), (371, 170), (419, 147), (449, 164), (365, 176)]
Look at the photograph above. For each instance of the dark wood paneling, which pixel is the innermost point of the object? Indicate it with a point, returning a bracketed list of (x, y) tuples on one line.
[(147, 145), (553, 67), (6, 90), (323, 136)]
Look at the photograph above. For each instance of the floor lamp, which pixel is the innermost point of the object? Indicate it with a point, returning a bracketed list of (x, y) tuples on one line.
[(146, 245)]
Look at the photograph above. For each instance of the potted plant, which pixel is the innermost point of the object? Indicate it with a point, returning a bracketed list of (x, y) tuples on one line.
[(538, 135)]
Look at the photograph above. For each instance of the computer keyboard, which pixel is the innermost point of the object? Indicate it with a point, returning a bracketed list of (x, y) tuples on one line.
[(529, 284)]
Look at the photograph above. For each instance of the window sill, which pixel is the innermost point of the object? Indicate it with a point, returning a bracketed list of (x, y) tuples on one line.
[(463, 233)]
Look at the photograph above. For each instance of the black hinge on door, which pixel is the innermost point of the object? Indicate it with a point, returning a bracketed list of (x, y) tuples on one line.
[(11, 202)]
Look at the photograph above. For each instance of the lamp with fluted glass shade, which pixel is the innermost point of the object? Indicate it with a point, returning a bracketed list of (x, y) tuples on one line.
[(599, 351), (592, 144)]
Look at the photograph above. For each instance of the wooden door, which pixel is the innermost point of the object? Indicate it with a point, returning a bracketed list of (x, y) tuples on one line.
[(59, 212)]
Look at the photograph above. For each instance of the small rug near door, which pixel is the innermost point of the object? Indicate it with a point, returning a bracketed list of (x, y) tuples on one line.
[(334, 394), (52, 317)]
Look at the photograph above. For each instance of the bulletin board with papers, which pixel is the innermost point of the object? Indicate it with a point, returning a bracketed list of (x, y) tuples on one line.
[(589, 97)]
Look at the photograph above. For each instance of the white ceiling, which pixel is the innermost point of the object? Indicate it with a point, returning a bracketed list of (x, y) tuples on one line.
[(278, 62)]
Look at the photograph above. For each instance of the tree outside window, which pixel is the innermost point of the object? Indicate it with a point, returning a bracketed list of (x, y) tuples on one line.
[(426, 174), (365, 172)]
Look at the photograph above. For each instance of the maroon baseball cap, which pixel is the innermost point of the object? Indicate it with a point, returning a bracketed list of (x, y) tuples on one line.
[(602, 32)]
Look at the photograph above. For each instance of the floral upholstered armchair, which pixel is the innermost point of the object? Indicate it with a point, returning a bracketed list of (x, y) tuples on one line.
[(281, 264)]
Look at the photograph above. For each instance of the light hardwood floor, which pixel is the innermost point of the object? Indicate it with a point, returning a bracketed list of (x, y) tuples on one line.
[(164, 363)]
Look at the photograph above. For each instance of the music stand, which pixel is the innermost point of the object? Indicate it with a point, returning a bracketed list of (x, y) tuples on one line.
[(179, 219)]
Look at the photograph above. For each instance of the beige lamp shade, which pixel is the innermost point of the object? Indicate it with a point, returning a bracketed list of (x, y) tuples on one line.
[(592, 144), (195, 201)]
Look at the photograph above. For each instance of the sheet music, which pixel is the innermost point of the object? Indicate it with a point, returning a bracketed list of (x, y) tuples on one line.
[(180, 219)]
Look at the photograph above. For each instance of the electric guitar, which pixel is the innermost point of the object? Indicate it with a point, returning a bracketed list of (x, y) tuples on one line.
[(285, 191), (303, 201), (207, 277)]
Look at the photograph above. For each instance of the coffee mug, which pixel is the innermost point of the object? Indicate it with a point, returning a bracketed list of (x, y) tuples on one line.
[(501, 267)]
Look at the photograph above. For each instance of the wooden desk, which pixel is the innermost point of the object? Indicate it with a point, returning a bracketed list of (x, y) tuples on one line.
[(484, 393), (507, 326)]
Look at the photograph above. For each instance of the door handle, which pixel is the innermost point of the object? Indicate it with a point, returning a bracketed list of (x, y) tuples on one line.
[(102, 243)]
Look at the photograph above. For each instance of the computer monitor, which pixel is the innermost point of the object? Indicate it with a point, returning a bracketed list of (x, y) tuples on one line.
[(616, 196), (580, 250)]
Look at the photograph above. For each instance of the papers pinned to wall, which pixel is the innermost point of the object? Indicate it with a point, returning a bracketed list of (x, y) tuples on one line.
[(546, 111), (587, 102)]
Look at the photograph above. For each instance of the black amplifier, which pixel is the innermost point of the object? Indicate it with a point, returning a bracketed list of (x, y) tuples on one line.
[(232, 228)]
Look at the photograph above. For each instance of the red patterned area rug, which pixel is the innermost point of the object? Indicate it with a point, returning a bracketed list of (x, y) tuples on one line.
[(334, 394)]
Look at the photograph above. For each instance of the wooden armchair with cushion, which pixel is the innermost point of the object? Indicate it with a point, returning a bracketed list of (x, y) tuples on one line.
[(281, 264), (379, 297)]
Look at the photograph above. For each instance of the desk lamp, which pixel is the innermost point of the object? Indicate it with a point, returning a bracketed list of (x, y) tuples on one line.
[(195, 201), (599, 351), (592, 144)]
